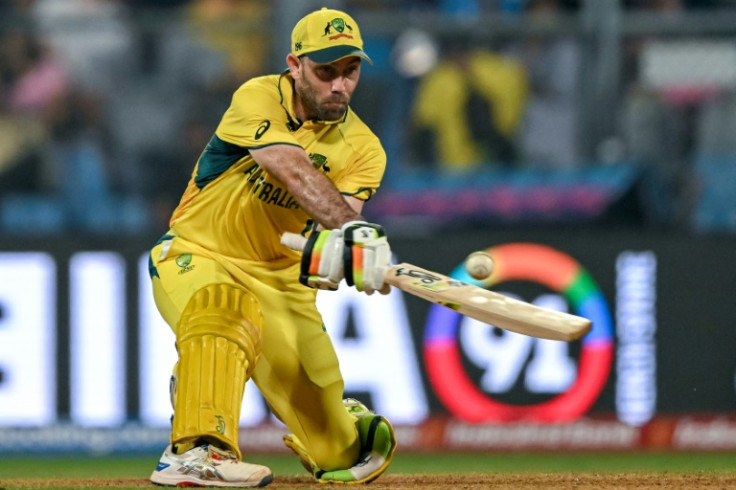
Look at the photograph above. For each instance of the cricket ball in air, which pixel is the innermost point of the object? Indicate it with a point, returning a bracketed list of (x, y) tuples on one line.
[(479, 265)]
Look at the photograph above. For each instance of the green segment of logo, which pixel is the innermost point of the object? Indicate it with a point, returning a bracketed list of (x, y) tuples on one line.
[(318, 160), (338, 24), (184, 260)]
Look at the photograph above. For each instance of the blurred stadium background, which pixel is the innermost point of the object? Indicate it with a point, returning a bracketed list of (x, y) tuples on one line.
[(600, 131)]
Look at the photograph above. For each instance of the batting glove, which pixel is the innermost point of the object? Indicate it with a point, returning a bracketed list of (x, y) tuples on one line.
[(322, 260), (367, 256)]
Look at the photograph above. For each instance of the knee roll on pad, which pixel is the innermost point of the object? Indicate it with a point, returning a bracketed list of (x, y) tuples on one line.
[(219, 342), (377, 446)]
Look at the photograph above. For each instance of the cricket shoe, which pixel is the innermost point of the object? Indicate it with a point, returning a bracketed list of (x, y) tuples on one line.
[(377, 442), (208, 466)]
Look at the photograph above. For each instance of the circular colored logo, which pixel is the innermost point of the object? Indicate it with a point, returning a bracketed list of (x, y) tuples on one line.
[(560, 273)]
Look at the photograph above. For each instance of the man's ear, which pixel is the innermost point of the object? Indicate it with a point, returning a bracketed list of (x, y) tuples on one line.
[(294, 64)]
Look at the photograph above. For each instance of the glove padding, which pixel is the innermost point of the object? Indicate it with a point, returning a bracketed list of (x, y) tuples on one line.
[(358, 251), (367, 255), (322, 260)]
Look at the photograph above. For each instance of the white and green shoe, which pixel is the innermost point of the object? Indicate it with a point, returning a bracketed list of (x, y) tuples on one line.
[(377, 442)]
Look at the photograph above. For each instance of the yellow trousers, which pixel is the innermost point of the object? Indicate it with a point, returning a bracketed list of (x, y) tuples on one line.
[(297, 370)]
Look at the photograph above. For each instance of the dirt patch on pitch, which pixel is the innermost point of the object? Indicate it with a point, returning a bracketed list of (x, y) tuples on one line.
[(593, 481)]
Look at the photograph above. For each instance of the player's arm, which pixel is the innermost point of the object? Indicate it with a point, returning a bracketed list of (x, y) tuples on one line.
[(325, 262), (355, 203), (314, 192)]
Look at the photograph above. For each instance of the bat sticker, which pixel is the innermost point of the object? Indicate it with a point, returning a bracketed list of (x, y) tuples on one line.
[(450, 304), (431, 286), (424, 277)]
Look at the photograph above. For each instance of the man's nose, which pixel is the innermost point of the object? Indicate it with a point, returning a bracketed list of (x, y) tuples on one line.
[(339, 84)]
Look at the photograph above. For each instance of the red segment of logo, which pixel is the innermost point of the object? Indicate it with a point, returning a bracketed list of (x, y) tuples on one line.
[(529, 261), (465, 401)]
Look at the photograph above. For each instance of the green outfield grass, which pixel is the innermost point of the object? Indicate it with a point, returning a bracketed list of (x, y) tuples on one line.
[(409, 463)]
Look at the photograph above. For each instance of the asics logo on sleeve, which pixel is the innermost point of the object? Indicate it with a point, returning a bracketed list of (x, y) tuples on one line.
[(262, 128)]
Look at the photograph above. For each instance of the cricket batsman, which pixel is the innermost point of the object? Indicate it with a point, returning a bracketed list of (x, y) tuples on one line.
[(289, 155)]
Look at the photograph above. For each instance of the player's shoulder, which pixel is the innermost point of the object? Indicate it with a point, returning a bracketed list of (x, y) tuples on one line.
[(358, 135), (265, 84), (353, 127)]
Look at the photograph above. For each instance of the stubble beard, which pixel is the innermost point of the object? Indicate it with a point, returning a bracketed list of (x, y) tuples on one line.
[(320, 110)]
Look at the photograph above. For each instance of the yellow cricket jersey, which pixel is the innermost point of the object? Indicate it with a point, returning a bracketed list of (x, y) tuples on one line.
[(233, 207)]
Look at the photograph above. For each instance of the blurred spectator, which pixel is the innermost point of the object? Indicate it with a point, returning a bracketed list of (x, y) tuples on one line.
[(94, 41), (45, 82), (549, 131), (659, 116), (181, 82), (90, 36), (468, 109), (168, 169), (33, 85), (199, 62), (235, 28)]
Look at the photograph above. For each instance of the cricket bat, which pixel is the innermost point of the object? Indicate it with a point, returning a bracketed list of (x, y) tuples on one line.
[(481, 304)]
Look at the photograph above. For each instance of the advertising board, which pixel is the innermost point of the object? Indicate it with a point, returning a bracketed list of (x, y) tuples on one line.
[(82, 345)]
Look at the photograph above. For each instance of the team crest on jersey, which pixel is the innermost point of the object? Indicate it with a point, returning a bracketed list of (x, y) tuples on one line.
[(184, 261), (319, 161)]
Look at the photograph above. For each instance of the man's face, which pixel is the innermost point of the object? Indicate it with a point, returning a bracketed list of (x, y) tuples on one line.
[(324, 91)]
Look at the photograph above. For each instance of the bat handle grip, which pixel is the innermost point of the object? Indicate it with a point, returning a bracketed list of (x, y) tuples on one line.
[(294, 241)]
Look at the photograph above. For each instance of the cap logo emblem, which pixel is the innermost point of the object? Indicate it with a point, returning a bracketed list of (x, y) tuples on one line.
[(339, 25)]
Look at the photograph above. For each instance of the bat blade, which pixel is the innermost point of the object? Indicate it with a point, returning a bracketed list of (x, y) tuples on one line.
[(487, 306), (481, 304)]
